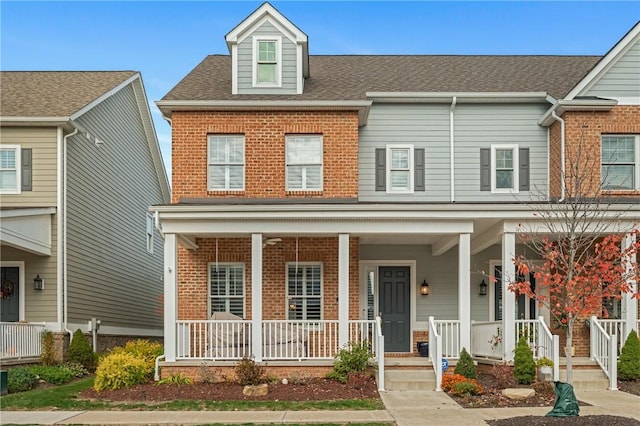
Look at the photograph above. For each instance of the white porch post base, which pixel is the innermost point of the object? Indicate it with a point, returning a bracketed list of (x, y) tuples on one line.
[(464, 290), (170, 296), (508, 297), (256, 296), (343, 289), (629, 305)]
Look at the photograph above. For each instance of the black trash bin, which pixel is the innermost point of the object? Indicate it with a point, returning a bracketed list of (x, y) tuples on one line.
[(423, 348)]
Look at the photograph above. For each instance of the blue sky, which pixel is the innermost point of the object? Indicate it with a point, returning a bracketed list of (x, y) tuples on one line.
[(164, 40)]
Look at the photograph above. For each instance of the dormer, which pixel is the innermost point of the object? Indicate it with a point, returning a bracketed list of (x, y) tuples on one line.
[(269, 54)]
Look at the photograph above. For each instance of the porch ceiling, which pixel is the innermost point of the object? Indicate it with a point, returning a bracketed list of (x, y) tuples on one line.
[(27, 229)]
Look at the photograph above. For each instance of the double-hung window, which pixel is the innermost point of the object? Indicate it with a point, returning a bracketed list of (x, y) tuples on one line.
[(304, 291), (10, 169), (505, 170), (149, 233), (304, 162), (267, 61), (400, 168), (226, 163), (620, 162), (226, 288)]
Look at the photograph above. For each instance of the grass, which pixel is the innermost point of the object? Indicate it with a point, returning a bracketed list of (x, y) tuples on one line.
[(64, 397)]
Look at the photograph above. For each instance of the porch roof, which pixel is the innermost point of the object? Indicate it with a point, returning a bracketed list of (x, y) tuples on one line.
[(27, 229)]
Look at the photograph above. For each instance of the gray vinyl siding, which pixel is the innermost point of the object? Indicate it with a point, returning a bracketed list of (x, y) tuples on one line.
[(40, 306), (43, 143), (480, 126), (111, 276), (622, 79), (289, 64), (424, 126)]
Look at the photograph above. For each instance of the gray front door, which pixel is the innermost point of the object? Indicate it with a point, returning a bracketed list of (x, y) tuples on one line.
[(10, 301), (395, 302)]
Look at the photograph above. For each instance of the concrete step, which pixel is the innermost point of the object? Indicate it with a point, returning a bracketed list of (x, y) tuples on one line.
[(422, 379), (587, 379)]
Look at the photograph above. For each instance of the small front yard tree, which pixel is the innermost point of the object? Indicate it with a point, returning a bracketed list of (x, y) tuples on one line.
[(581, 249)]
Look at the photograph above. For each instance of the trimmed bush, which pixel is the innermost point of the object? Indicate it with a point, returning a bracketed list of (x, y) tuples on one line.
[(145, 350), (629, 362), (76, 369), (80, 351), (465, 366), (21, 379), (524, 367), (53, 374), (249, 373), (47, 356), (459, 385), (352, 358), (118, 370)]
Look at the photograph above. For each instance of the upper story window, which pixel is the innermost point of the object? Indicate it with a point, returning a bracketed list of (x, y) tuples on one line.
[(504, 169), (226, 163), (400, 169), (304, 291), (10, 169), (620, 162), (226, 288), (267, 54), (304, 162)]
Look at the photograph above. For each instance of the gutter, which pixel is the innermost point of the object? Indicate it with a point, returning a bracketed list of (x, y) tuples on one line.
[(451, 141), (563, 184)]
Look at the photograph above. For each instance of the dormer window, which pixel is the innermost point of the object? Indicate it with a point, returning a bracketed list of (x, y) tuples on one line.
[(267, 54)]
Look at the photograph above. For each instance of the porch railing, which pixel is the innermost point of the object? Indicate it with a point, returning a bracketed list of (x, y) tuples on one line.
[(486, 339), (604, 351), (283, 339), (213, 339), (614, 326), (380, 352), (435, 351), (450, 332), (20, 340)]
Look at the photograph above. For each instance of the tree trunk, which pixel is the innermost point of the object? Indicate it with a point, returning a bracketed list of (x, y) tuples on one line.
[(567, 351)]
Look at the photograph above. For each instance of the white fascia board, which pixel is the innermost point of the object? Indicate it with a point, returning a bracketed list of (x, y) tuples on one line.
[(609, 59), (615, 225), (104, 96), (33, 121), (563, 105), (461, 97)]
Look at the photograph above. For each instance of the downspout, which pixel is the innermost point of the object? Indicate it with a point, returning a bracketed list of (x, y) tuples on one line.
[(451, 140), (64, 233), (562, 167)]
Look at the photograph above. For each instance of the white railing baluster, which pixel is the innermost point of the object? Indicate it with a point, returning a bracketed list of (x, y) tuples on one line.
[(20, 340), (604, 350)]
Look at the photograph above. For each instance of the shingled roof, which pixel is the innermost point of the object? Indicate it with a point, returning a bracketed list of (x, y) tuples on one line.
[(349, 77), (54, 93)]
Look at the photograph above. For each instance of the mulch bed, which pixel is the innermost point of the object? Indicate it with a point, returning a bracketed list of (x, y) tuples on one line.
[(600, 420)]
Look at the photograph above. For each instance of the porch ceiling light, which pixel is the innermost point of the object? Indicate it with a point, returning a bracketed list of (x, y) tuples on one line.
[(38, 283), (483, 288), (424, 288)]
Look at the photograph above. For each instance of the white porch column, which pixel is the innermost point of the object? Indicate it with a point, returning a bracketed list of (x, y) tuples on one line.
[(170, 296), (464, 290), (629, 305), (256, 296), (508, 297), (343, 289)]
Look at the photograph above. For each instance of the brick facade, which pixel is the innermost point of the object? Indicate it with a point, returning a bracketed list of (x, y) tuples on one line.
[(264, 152)]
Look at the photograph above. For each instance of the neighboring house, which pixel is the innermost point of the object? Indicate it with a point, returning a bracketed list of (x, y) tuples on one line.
[(79, 166), (313, 194)]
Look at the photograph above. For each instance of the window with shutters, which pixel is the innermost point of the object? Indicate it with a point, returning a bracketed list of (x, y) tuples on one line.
[(304, 291), (10, 171), (304, 162), (226, 288), (620, 162), (504, 169), (267, 61), (226, 163), (399, 169)]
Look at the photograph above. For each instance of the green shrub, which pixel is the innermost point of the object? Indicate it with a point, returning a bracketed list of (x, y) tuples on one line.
[(146, 350), (629, 362), (21, 379), (176, 379), (465, 366), (80, 351), (352, 358), (119, 370), (524, 367), (54, 374), (249, 373), (75, 368), (47, 354), (467, 387)]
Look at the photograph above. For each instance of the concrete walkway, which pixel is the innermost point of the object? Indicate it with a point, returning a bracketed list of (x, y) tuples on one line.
[(404, 408)]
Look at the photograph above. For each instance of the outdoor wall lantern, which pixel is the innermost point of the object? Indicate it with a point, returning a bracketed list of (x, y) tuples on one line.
[(38, 283), (483, 288), (424, 288)]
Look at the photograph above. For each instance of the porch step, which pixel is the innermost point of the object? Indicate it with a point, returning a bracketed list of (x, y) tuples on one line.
[(586, 379), (413, 379)]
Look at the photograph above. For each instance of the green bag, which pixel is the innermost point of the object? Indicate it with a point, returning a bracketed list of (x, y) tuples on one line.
[(566, 403)]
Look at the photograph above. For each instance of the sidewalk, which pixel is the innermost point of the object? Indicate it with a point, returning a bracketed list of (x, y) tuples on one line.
[(404, 408)]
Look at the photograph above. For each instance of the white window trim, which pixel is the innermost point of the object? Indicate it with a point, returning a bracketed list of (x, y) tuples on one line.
[(149, 232), (636, 169), (278, 40), (288, 296), (226, 176), (304, 179), (516, 169), (412, 170), (244, 285), (18, 189)]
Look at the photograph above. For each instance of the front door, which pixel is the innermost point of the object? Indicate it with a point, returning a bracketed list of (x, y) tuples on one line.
[(10, 296), (395, 303)]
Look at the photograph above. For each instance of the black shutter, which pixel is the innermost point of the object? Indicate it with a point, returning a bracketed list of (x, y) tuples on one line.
[(381, 169), (418, 159), (27, 169), (485, 169), (523, 157)]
